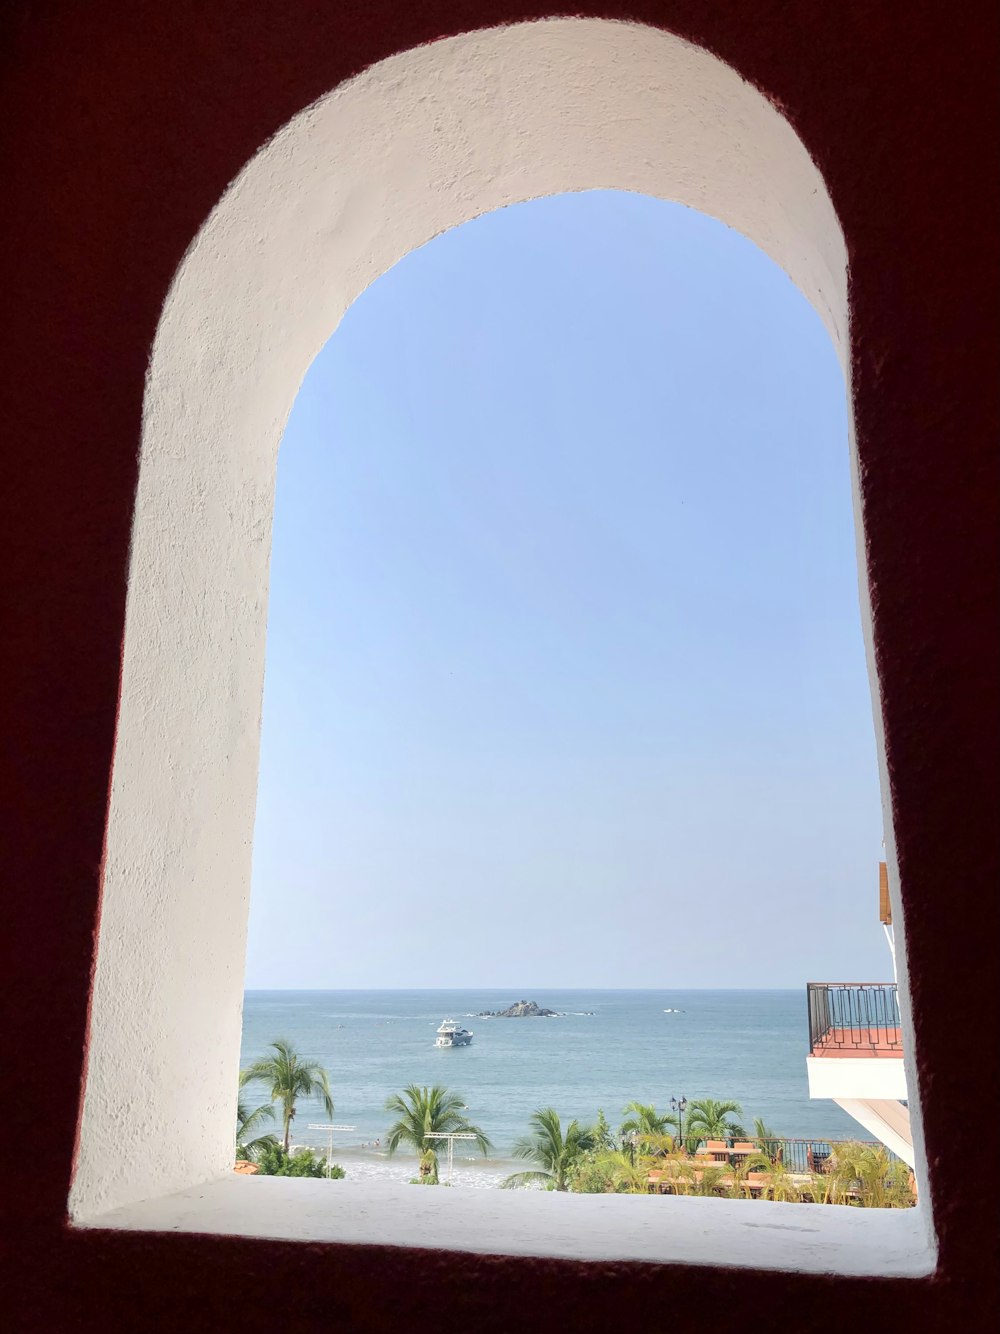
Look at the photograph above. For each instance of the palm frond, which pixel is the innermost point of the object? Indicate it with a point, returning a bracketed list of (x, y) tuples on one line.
[(518, 1179), (248, 1120)]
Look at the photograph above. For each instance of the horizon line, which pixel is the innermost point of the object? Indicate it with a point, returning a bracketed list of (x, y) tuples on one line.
[(798, 986)]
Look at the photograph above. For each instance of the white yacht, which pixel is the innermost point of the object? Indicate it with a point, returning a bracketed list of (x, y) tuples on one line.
[(452, 1034)]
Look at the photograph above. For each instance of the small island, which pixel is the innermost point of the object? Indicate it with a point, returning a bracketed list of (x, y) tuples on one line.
[(522, 1009)]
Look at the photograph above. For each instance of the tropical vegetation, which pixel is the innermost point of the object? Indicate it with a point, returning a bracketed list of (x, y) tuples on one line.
[(646, 1156), (872, 1176), (708, 1118), (423, 1113), (609, 1172), (288, 1077), (249, 1120), (603, 1136), (274, 1161), (650, 1151), (648, 1130), (768, 1139), (554, 1151)]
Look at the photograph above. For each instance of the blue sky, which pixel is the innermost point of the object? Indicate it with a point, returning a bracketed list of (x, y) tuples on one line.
[(565, 682)]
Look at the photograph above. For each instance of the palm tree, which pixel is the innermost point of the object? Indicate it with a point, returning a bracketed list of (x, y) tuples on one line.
[(780, 1184), (676, 1172), (248, 1120), (866, 1173), (824, 1188), (603, 1138), (685, 1176), (289, 1078), (423, 1111), (554, 1152), (609, 1172), (740, 1186), (709, 1119), (768, 1140), (712, 1179), (649, 1127)]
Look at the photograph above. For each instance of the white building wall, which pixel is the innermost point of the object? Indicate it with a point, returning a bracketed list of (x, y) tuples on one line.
[(878, 1077)]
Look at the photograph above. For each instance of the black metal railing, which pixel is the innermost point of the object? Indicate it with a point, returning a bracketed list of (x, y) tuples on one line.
[(795, 1155), (861, 1017)]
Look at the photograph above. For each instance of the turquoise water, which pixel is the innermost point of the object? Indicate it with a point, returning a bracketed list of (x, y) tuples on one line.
[(746, 1045)]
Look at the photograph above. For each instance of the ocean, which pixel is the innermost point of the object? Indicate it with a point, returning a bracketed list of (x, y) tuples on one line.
[(605, 1049)]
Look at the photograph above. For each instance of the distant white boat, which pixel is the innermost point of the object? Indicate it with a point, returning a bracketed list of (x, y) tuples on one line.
[(452, 1034), (673, 1011)]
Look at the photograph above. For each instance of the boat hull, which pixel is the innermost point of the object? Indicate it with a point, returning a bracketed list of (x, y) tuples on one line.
[(452, 1034)]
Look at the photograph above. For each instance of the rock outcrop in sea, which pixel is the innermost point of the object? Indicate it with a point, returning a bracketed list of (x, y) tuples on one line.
[(522, 1009)]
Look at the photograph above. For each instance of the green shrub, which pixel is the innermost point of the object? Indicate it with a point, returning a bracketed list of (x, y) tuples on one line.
[(275, 1162)]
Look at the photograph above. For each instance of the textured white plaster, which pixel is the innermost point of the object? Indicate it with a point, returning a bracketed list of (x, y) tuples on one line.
[(812, 1238), (415, 145)]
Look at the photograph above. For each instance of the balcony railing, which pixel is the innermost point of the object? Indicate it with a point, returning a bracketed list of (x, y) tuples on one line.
[(796, 1155), (854, 1019)]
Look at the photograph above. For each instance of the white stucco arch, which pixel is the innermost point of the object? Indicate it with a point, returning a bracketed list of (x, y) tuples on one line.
[(415, 145)]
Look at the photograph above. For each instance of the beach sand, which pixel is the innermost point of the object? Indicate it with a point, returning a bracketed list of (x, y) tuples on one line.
[(363, 1164)]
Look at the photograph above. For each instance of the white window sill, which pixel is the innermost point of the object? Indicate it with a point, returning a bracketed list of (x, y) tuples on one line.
[(658, 1229)]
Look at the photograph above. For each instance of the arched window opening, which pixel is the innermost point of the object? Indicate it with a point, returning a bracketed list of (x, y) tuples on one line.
[(413, 147)]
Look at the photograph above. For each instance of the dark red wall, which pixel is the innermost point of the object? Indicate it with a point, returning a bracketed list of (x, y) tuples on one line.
[(122, 122)]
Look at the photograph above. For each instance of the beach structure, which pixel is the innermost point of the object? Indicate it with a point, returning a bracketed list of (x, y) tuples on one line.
[(856, 1049), (450, 1137), (329, 1127)]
